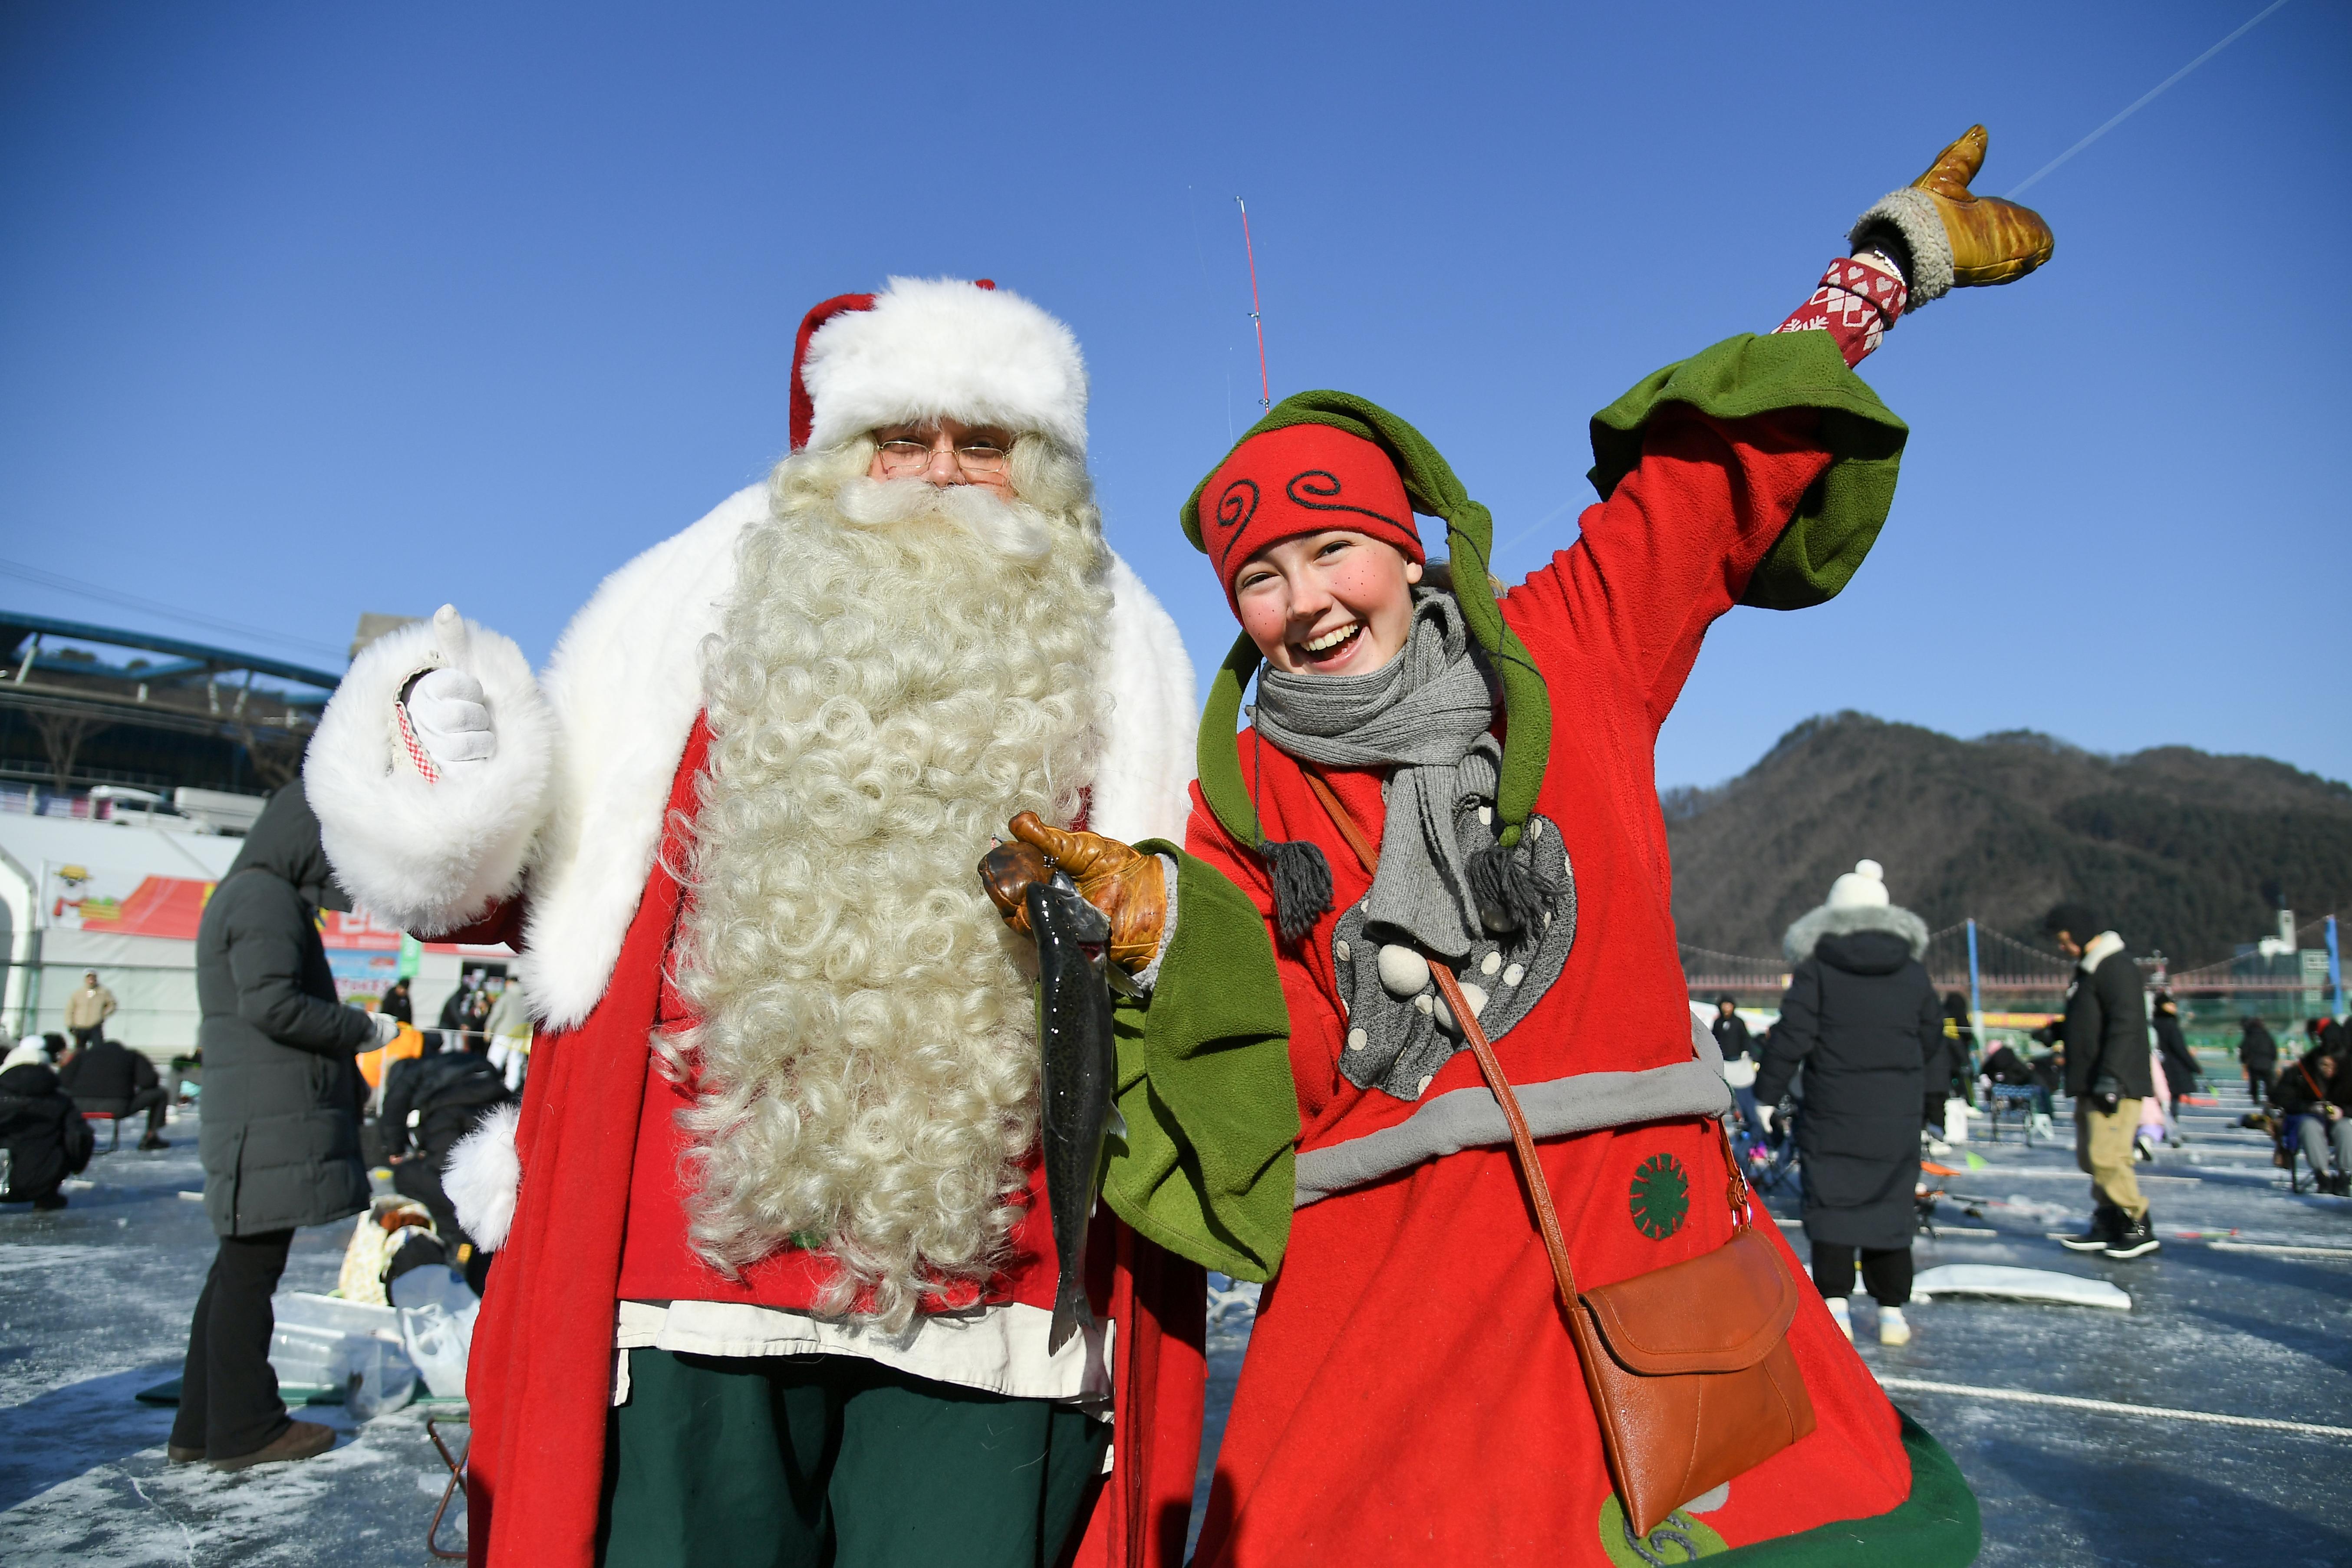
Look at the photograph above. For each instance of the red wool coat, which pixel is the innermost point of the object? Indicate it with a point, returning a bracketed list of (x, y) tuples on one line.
[(1411, 1394), (540, 1379)]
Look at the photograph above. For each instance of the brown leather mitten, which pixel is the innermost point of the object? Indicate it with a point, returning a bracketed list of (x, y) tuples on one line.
[(1957, 238), (1006, 873), (1124, 883)]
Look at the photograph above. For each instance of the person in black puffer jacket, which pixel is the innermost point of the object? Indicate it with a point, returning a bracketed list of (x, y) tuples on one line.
[(45, 1136), (2108, 1074), (2257, 1054), (280, 1135), (109, 1078), (2312, 1097), (429, 1103), (2181, 1070), (1862, 1019)]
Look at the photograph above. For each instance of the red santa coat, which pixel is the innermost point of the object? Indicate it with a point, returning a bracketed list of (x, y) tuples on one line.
[(566, 838), (1411, 1394), (598, 1150)]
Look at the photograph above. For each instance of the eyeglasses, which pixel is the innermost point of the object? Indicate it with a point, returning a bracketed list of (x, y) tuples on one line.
[(906, 457)]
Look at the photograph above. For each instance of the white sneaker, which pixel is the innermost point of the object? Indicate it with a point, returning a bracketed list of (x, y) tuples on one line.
[(1893, 1328), (1843, 1315)]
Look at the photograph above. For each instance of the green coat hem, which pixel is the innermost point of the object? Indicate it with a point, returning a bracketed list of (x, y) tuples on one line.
[(1937, 1526)]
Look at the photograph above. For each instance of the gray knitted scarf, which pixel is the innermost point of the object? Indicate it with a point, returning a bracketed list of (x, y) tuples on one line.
[(1426, 712)]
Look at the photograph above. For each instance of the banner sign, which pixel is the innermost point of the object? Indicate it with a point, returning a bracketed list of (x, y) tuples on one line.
[(79, 897)]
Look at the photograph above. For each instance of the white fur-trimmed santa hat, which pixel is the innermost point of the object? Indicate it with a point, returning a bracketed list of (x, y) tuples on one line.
[(936, 348)]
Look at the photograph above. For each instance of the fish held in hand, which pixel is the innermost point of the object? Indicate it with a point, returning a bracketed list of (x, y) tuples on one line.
[(1079, 1073)]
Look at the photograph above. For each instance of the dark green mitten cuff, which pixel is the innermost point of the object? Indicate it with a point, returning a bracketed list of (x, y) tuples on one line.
[(1204, 1086), (1839, 518)]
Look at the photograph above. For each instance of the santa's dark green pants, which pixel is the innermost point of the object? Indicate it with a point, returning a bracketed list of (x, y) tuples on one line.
[(837, 1462)]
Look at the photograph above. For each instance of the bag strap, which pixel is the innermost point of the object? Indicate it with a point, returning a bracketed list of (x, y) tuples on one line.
[(1523, 1143), (1362, 848)]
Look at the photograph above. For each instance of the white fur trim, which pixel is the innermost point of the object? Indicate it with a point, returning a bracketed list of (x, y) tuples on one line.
[(939, 348), (482, 1175), (1911, 213), (2104, 946), (1149, 748), (428, 856), (626, 682), (1798, 943)]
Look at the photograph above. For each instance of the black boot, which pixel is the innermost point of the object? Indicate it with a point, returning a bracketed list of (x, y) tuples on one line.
[(2136, 1239), (2106, 1224)]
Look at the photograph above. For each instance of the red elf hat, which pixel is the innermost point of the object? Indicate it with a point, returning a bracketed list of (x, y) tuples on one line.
[(1298, 479)]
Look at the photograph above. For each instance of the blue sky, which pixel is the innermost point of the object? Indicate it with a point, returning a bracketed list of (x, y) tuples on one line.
[(312, 310)]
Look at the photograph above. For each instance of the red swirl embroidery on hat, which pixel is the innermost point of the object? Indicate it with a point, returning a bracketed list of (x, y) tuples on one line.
[(1233, 508), (1298, 482)]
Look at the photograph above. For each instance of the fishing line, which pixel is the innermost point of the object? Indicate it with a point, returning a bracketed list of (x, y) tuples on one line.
[(59, 581), (1192, 220), (1265, 388), (1512, 542), (2144, 100)]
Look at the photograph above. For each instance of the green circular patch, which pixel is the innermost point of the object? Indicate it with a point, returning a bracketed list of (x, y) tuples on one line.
[(1677, 1538), (1660, 1196)]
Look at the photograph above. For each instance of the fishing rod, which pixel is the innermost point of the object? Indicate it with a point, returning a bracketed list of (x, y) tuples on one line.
[(1265, 386)]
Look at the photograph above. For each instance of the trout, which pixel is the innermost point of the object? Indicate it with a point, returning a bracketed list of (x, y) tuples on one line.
[(1079, 1073)]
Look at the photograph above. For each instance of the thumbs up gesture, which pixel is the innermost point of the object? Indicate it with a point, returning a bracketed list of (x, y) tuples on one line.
[(447, 708)]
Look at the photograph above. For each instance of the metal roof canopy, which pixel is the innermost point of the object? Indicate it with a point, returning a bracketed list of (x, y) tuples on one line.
[(22, 623)]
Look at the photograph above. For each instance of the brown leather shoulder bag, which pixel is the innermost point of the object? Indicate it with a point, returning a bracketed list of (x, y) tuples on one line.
[(1689, 1367)]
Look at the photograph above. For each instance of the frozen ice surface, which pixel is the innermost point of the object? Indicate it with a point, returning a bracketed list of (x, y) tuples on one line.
[(94, 1302), (2236, 1333)]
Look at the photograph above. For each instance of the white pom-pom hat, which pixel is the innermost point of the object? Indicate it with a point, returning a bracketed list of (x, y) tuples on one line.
[(936, 348), (1864, 887)]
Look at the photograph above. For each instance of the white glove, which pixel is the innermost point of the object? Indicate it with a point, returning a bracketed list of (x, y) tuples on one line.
[(387, 1027), (1763, 1118), (447, 712)]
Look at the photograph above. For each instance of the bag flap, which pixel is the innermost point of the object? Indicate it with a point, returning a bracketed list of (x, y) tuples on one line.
[(1721, 1311)]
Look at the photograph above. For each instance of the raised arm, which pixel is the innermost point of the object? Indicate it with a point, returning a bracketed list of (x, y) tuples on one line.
[(1759, 472)]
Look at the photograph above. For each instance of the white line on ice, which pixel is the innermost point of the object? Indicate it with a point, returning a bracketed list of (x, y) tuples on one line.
[(2107, 1406), (2280, 1247)]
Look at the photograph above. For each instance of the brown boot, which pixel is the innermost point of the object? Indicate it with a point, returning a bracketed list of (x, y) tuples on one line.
[(1958, 239), (302, 1440)]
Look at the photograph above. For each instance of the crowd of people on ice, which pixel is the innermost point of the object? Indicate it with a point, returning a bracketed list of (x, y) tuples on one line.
[(1882, 1059), (798, 1257)]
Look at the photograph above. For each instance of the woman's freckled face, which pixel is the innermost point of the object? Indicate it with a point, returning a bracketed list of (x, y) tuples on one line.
[(1328, 604)]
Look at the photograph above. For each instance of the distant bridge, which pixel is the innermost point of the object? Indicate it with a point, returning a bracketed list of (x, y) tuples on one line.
[(1970, 957)]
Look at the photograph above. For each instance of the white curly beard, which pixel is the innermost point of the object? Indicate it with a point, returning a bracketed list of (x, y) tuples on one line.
[(901, 670)]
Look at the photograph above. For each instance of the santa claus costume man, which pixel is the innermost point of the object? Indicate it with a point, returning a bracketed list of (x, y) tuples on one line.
[(773, 1270), (1526, 1313)]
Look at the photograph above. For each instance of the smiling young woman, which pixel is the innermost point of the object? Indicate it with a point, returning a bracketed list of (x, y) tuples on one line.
[(1444, 803), (1330, 604)]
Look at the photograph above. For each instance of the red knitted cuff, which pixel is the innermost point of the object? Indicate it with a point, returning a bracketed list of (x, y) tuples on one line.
[(417, 755), (1855, 304)]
